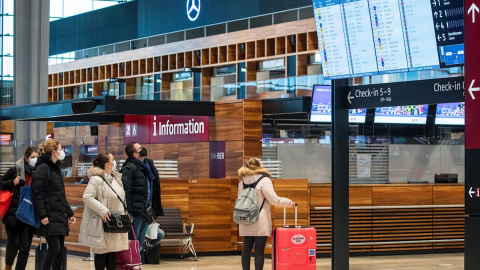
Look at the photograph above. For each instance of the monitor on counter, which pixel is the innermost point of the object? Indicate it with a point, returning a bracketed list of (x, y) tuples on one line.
[(411, 114), (450, 114), (321, 111), (445, 178)]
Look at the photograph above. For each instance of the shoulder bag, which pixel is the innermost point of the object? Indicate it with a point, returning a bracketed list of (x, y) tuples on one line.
[(117, 223)]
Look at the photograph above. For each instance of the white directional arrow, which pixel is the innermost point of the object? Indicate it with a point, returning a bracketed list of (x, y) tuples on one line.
[(349, 98), (473, 8), (438, 37), (471, 192), (436, 25), (472, 89)]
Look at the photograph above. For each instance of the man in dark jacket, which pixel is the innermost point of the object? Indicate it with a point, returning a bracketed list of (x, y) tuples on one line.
[(142, 189)]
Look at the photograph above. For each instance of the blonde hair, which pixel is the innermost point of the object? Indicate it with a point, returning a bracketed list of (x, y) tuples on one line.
[(49, 146), (253, 163)]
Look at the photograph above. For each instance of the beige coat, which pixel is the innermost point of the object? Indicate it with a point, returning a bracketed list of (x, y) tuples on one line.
[(263, 227), (100, 199)]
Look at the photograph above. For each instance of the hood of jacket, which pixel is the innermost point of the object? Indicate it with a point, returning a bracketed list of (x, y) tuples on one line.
[(97, 171), (250, 175)]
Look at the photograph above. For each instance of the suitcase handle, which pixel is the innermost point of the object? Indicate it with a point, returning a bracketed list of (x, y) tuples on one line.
[(285, 216)]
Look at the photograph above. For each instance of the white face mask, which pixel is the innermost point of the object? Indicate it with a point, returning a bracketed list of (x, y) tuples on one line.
[(114, 165), (61, 156), (32, 161)]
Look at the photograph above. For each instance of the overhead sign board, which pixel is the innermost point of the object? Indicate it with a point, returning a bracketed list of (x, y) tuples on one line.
[(405, 93)]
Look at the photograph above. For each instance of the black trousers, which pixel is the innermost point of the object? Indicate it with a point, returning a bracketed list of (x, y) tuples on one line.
[(249, 242), (106, 260), (54, 258), (19, 240)]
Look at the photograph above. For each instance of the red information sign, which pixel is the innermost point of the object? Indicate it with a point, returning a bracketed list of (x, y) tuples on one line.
[(151, 129), (472, 74)]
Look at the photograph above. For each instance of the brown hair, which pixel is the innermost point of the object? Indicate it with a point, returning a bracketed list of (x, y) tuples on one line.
[(253, 163), (30, 150), (130, 149), (49, 146), (102, 159)]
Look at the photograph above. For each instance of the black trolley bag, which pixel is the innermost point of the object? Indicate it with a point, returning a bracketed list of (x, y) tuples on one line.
[(41, 253)]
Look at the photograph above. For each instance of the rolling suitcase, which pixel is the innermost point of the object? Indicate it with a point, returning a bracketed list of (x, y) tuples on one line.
[(294, 248), (41, 252)]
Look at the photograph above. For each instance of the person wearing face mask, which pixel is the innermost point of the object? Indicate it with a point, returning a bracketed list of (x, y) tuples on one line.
[(101, 202), (19, 234), (50, 202), (142, 190)]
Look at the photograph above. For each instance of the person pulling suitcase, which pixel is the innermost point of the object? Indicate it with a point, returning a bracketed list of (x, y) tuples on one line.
[(256, 234)]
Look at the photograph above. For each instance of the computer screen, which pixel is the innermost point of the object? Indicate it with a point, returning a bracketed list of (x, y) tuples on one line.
[(411, 114), (450, 114), (368, 37), (322, 107)]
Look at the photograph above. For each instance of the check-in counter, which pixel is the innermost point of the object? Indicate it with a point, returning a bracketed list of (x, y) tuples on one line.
[(391, 217)]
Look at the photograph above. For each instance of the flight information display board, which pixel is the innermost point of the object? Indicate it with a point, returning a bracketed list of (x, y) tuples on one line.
[(369, 37)]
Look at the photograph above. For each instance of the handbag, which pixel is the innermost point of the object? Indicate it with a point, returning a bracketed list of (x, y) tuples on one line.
[(130, 258), (26, 211), (151, 215), (117, 223), (5, 200)]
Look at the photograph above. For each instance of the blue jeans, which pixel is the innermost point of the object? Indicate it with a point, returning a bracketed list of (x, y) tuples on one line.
[(160, 236), (140, 227)]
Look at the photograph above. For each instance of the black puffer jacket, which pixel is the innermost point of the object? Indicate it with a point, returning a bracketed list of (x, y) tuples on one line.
[(10, 219), (136, 188), (53, 204)]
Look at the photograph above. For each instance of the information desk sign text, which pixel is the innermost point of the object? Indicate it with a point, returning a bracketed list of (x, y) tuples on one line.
[(434, 91)]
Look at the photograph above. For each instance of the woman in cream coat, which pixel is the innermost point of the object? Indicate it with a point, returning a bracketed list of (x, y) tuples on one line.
[(257, 233), (100, 203)]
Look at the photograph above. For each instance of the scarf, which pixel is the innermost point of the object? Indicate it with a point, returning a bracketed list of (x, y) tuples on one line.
[(28, 168)]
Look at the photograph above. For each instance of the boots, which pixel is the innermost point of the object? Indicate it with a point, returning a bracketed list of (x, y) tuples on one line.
[(8, 267)]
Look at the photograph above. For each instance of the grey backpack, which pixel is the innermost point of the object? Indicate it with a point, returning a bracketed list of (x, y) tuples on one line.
[(246, 209)]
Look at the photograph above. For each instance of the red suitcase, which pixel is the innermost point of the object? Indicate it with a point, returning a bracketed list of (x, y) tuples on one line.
[(294, 248)]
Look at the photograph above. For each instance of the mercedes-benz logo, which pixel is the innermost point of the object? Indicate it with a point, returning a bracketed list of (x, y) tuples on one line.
[(193, 9)]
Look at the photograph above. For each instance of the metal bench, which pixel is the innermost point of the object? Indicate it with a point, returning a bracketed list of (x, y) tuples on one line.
[(176, 233)]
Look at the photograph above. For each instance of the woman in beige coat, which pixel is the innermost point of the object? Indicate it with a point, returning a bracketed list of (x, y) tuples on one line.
[(100, 203), (256, 234)]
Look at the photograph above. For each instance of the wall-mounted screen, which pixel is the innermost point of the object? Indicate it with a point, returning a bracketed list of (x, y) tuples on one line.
[(450, 114), (369, 37), (411, 114), (322, 107), (321, 104)]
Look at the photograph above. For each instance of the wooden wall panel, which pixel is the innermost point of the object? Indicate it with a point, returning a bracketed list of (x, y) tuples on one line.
[(252, 120), (233, 158), (175, 194), (320, 196), (186, 160), (447, 194), (228, 122), (252, 149), (402, 195), (360, 196), (201, 160), (295, 190), (212, 215)]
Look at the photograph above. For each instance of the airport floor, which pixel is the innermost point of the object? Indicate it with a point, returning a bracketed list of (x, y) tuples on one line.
[(447, 261)]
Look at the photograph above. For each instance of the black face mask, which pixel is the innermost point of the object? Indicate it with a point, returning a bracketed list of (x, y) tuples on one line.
[(143, 152)]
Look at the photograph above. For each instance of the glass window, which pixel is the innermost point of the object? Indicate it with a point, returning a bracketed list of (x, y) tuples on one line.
[(8, 25), (76, 7), (7, 66), (8, 7), (8, 46), (56, 8)]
